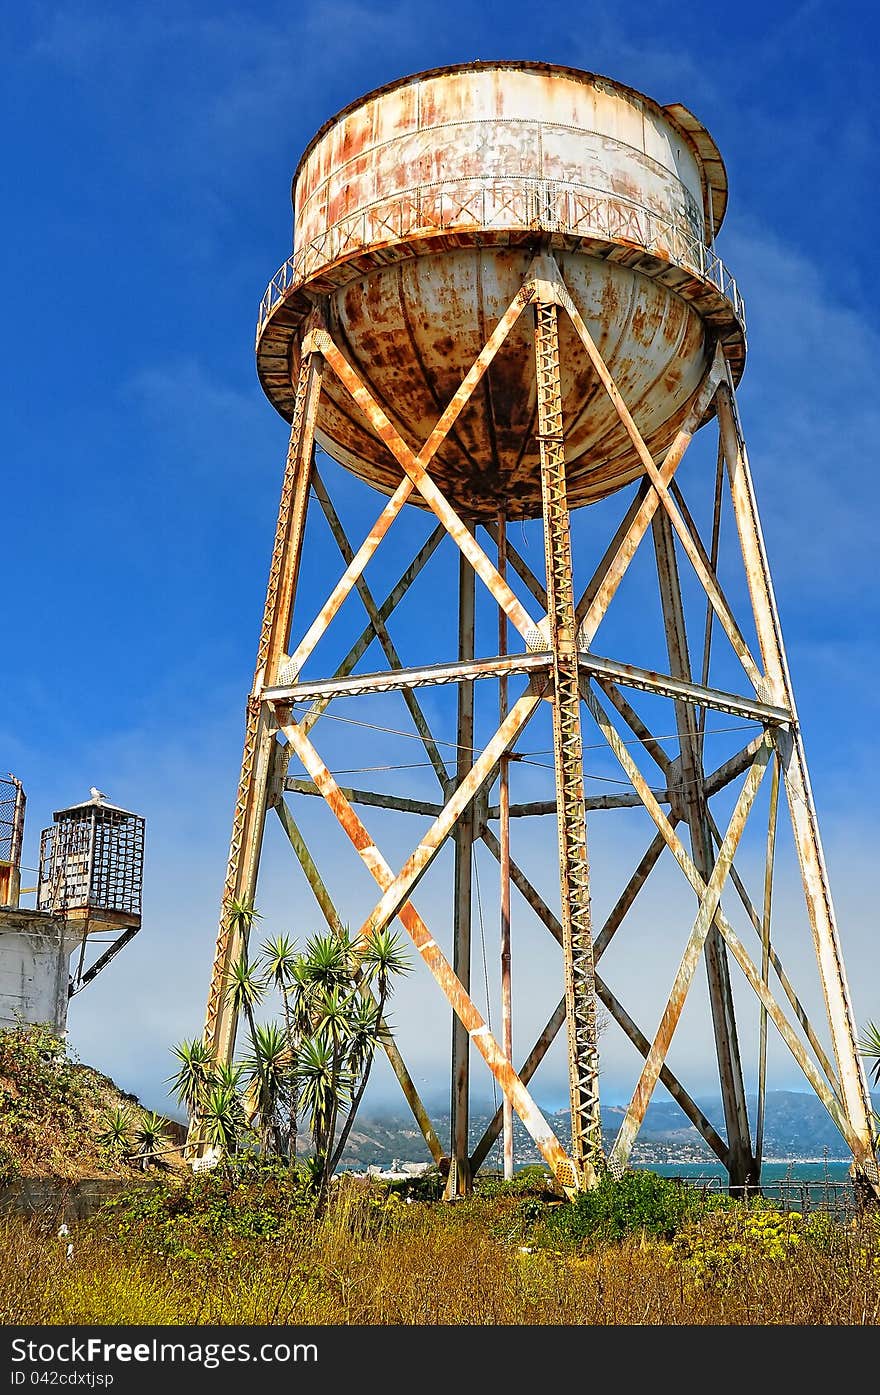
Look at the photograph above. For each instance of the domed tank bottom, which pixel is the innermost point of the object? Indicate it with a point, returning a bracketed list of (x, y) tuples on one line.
[(413, 329)]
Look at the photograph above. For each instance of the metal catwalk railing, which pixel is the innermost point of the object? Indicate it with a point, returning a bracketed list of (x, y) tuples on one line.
[(539, 204)]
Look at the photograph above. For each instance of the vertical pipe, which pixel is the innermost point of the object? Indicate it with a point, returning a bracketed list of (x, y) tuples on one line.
[(459, 1180), (504, 842), (10, 883), (765, 963)]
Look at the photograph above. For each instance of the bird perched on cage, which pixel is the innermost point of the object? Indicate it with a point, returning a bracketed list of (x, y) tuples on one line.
[(97, 794)]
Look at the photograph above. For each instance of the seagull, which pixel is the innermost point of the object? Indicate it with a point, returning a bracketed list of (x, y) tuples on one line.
[(97, 794)]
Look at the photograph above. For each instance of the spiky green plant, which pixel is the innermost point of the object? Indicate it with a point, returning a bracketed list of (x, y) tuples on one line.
[(150, 1136), (268, 1069), (222, 1118), (869, 1047), (195, 1073), (117, 1130)]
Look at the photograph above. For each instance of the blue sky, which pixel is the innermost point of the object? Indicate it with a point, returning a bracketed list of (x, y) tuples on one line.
[(148, 159)]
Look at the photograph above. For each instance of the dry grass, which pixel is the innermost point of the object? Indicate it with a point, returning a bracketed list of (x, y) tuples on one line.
[(421, 1265)]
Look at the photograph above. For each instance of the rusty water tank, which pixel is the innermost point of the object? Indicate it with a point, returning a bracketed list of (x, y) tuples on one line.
[(417, 210)]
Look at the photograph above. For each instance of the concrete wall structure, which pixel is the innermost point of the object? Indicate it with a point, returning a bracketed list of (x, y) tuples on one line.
[(35, 950)]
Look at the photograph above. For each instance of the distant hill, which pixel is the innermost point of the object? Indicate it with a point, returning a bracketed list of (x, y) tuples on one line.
[(797, 1125)]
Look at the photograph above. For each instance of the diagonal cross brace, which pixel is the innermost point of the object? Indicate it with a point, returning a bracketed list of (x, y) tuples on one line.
[(691, 1110), (548, 1144), (661, 489), (734, 943), (380, 628), (711, 897)]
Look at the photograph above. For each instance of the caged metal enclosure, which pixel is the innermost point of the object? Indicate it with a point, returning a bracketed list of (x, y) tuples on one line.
[(505, 303), (88, 904), (91, 864)]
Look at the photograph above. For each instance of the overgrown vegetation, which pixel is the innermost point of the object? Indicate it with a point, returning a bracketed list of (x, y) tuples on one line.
[(59, 1118), (641, 1203), (509, 1258), (316, 1060)]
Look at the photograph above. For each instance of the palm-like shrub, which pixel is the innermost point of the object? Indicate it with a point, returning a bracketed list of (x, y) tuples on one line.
[(317, 1059), (117, 1130), (150, 1136)]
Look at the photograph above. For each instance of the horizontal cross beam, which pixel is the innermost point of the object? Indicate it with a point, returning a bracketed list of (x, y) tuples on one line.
[(395, 680), (608, 670), (650, 682)]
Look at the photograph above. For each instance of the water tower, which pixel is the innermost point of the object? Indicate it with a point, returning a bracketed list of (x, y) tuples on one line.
[(504, 303)]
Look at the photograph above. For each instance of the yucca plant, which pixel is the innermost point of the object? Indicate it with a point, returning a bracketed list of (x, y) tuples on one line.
[(870, 1048), (195, 1074), (382, 962), (222, 1118), (268, 1069), (150, 1136), (117, 1130)]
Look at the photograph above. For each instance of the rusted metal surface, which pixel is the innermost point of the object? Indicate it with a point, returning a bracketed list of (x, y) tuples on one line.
[(13, 801), (418, 477), (372, 797), (537, 807), (416, 219), (333, 919), (536, 1125), (655, 475), (568, 761), (347, 582), (817, 890), (688, 795), (250, 806), (504, 883), (426, 676), (668, 686), (500, 122), (628, 546), (712, 562)]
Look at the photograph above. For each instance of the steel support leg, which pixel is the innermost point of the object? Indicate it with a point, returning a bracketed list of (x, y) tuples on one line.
[(692, 799), (504, 840), (817, 890), (257, 762), (580, 986)]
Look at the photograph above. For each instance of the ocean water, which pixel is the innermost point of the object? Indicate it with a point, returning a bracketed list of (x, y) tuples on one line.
[(812, 1171), (803, 1184)]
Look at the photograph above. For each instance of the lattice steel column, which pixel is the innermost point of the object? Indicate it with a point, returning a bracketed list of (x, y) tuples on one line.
[(259, 742), (580, 987)]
